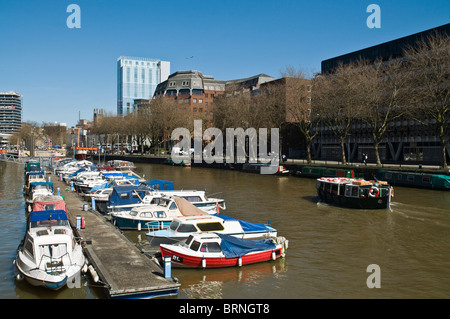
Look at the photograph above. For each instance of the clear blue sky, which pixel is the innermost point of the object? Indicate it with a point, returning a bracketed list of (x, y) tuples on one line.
[(64, 72)]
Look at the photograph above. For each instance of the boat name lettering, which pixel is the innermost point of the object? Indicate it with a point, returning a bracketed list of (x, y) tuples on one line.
[(177, 258)]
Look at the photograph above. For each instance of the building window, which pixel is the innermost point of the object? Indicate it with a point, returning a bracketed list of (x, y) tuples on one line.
[(200, 100), (186, 101), (195, 109)]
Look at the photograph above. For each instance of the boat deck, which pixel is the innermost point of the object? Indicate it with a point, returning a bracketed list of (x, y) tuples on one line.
[(121, 266)]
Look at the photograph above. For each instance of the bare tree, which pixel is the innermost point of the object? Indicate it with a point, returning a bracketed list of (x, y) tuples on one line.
[(429, 65), (299, 108), (335, 95), (382, 94)]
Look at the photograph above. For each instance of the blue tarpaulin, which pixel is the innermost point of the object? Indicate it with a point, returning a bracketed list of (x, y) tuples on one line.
[(159, 184), (233, 247), (126, 195), (36, 216), (247, 226)]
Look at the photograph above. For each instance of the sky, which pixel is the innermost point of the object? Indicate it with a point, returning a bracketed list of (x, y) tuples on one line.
[(64, 73)]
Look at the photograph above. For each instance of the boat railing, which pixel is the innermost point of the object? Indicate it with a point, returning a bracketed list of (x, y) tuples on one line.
[(54, 264)]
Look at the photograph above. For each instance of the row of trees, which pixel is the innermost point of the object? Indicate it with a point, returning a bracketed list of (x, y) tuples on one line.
[(375, 93)]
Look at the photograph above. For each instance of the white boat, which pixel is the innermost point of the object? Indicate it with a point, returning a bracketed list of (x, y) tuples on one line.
[(155, 216), (196, 198), (49, 255), (182, 227), (38, 189)]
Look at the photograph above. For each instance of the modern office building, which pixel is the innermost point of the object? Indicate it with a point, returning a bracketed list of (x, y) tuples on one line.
[(137, 78), (10, 114), (405, 140)]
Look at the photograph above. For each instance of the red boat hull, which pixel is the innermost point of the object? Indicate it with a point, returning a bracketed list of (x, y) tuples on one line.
[(180, 260)]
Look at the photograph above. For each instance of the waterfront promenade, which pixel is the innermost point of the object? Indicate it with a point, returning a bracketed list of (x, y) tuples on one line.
[(124, 270)]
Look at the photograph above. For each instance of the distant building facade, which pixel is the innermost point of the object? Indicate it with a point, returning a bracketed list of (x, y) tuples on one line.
[(405, 140), (10, 114), (192, 88), (137, 78)]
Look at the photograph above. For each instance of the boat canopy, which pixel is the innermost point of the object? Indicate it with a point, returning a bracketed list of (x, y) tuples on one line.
[(187, 209), (233, 247), (247, 226), (45, 202), (48, 185), (87, 168), (128, 194), (37, 216)]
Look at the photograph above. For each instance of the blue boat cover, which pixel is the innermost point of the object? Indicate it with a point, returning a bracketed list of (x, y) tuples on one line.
[(42, 183), (233, 247), (247, 226), (126, 195), (36, 216), (87, 168), (159, 184)]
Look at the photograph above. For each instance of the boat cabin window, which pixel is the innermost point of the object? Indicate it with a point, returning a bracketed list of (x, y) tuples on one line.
[(133, 213), (49, 223), (173, 206), (174, 225), (210, 248), (159, 214), (351, 191), (49, 207), (192, 199), (426, 179), (53, 250), (186, 228), (215, 226), (156, 200), (28, 249), (124, 196), (146, 214), (334, 189), (189, 240), (195, 245)]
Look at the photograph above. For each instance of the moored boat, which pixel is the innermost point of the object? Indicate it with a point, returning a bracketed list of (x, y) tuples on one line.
[(182, 227), (220, 250), (49, 255), (354, 193), (154, 216)]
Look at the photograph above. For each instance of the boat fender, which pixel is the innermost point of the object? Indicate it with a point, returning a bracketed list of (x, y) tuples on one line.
[(374, 191), (203, 263), (93, 273), (84, 269), (240, 261), (273, 255), (139, 226), (392, 192)]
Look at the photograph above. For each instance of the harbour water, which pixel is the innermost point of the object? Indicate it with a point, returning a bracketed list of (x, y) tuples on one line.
[(330, 248)]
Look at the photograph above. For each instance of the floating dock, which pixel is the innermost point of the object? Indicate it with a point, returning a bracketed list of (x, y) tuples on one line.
[(124, 270)]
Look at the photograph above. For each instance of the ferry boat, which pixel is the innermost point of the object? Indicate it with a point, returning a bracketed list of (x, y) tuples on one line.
[(182, 227), (220, 250), (354, 193), (49, 255)]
